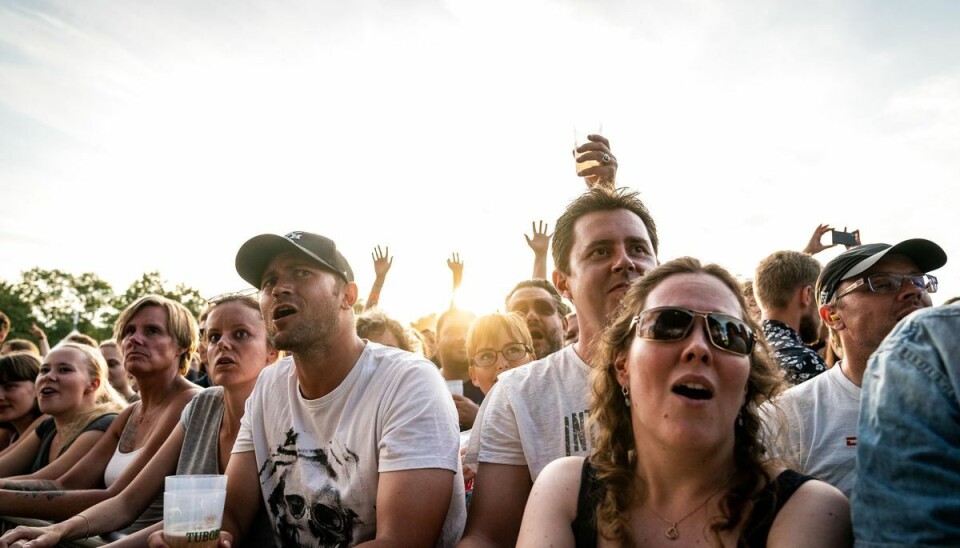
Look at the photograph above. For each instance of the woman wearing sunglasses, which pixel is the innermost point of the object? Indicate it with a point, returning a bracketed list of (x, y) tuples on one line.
[(677, 458), (496, 343)]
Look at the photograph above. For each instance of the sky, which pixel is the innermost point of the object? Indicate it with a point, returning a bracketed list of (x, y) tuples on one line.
[(139, 136)]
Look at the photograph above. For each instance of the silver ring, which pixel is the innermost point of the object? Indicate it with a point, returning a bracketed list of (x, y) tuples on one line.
[(606, 158)]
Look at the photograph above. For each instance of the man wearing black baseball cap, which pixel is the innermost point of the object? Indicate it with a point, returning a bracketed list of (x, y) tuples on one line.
[(862, 294), (343, 441)]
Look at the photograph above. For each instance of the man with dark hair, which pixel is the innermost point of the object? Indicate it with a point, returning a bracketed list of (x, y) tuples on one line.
[(542, 307), (343, 441), (863, 293), (452, 328), (537, 413), (783, 285)]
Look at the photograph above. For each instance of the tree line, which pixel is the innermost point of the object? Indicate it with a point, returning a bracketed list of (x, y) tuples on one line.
[(60, 302)]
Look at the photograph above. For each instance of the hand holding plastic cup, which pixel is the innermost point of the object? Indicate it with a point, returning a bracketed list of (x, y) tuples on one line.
[(193, 510), (580, 131), (455, 387)]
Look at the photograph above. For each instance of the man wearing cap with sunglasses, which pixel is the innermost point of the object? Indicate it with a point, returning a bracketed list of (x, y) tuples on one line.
[(344, 441), (862, 293)]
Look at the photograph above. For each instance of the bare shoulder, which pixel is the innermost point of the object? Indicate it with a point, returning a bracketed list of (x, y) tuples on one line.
[(818, 512), (559, 484)]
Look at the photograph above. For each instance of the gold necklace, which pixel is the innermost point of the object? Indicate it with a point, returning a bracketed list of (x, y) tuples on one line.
[(672, 532)]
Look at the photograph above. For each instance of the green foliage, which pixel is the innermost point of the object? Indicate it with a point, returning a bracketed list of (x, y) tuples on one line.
[(59, 302), (18, 310)]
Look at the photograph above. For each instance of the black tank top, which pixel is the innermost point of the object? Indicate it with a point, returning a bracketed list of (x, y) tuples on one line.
[(765, 509)]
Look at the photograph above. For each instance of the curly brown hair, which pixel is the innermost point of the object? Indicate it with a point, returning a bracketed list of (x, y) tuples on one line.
[(614, 455)]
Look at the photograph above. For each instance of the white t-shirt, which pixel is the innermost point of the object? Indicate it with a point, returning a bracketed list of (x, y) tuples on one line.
[(319, 460), (818, 428), (535, 414)]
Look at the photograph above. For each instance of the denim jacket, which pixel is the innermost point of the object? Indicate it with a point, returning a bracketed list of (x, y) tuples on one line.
[(908, 453)]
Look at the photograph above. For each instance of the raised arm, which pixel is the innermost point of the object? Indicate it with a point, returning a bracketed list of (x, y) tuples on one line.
[(42, 342), (456, 267), (539, 243), (815, 245), (382, 261)]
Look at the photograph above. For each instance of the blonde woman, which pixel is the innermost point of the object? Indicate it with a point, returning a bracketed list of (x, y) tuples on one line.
[(677, 458), (73, 390), (496, 343)]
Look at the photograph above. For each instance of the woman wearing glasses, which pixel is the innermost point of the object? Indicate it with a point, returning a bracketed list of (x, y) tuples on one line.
[(237, 351), (677, 458), (496, 343)]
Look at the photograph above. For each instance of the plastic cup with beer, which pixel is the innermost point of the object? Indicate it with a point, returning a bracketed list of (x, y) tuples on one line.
[(193, 510), (582, 128)]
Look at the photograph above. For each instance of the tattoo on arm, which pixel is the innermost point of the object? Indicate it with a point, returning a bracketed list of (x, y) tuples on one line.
[(29, 485)]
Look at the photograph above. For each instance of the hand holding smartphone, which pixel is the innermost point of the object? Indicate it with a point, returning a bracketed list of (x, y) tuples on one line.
[(843, 238)]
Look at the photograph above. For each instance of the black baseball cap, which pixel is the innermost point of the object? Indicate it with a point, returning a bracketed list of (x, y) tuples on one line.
[(853, 262), (257, 252)]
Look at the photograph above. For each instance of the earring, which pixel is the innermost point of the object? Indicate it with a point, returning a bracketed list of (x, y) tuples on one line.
[(740, 418), (626, 395)]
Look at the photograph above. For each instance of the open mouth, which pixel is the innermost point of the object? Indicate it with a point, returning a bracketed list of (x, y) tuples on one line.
[(283, 311), (536, 333), (224, 360), (693, 391), (47, 391)]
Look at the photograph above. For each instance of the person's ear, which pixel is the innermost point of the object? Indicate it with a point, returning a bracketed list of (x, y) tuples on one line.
[(560, 282), (94, 384), (472, 371), (806, 295), (620, 365), (350, 293), (831, 317), (272, 354)]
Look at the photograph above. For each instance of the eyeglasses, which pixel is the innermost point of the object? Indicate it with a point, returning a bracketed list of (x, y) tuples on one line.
[(671, 323), (891, 283), (512, 352)]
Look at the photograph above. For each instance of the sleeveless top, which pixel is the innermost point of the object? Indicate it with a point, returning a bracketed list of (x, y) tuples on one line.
[(47, 429), (767, 505), (118, 463)]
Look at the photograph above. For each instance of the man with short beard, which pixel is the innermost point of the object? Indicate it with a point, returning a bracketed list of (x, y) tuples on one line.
[(343, 441), (783, 285), (542, 307)]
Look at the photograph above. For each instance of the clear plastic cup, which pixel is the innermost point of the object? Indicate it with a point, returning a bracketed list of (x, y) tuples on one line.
[(193, 510)]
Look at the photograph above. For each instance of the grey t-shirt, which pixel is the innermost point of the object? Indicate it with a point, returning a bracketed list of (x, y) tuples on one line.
[(201, 419)]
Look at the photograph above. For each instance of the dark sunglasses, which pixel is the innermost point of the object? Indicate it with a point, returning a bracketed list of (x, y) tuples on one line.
[(672, 323)]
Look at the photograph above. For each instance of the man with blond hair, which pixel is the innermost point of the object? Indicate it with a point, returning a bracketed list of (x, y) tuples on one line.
[(783, 285)]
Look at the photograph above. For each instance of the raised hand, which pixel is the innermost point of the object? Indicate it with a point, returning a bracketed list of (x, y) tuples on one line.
[(456, 266), (382, 261), (539, 243), (598, 150), (815, 245)]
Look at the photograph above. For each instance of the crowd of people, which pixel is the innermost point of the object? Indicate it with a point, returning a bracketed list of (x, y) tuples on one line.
[(671, 405)]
